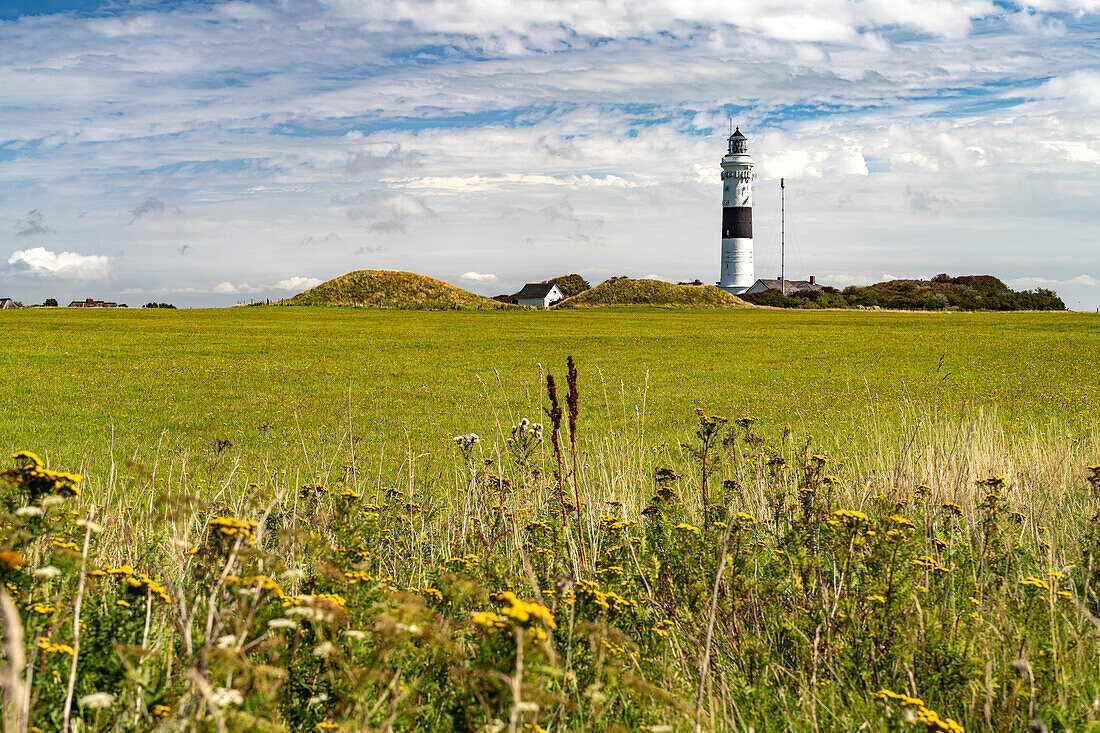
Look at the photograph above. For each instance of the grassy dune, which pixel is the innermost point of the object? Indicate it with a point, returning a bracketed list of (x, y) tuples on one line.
[(394, 290), (654, 293)]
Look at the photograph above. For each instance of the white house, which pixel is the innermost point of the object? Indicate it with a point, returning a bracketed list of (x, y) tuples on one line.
[(539, 295)]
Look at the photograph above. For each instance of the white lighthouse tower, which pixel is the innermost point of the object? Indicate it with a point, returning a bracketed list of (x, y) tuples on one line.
[(738, 272)]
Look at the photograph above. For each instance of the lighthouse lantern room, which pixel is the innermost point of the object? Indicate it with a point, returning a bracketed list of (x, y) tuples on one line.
[(738, 273)]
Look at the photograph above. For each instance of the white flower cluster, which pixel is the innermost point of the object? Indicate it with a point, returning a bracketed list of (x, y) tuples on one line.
[(226, 696), (465, 442), (282, 623), (526, 431), (97, 700)]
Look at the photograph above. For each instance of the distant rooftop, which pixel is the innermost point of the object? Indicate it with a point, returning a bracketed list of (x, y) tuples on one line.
[(534, 290), (793, 286)]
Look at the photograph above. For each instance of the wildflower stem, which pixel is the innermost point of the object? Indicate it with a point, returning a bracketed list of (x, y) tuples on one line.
[(13, 716), (517, 684), (76, 622), (704, 666), (139, 703), (572, 401)]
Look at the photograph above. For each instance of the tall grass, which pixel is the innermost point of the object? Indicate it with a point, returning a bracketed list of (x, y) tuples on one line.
[(936, 570)]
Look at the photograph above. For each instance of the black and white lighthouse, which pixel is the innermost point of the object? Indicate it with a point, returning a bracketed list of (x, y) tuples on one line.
[(738, 272)]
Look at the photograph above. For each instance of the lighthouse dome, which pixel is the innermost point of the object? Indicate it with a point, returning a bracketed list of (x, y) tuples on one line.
[(737, 142)]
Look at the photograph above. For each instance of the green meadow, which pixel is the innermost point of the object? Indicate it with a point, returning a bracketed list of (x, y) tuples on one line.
[(268, 378), (761, 520)]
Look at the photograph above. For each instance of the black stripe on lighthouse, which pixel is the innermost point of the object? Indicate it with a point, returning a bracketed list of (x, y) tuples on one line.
[(737, 222)]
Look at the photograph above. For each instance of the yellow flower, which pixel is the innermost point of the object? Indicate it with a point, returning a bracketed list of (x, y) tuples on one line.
[(1035, 582), (686, 527), (952, 508), (900, 520), (487, 619), (934, 723), (905, 700), (851, 516), (48, 648), (11, 559), (232, 527)]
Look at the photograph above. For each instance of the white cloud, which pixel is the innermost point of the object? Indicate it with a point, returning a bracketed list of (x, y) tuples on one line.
[(479, 277), (1079, 88), (1075, 150), (228, 288), (788, 164), (41, 261), (298, 283), (1043, 282), (1083, 280), (525, 23)]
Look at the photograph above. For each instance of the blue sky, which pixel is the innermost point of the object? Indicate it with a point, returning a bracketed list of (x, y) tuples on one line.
[(210, 152)]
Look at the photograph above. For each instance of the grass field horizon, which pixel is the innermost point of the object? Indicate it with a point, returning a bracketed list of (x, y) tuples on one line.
[(196, 377)]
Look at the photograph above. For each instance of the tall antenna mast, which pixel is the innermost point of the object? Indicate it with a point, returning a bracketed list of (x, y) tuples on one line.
[(782, 238)]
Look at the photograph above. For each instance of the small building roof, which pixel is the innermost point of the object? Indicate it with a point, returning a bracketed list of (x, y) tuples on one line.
[(532, 291), (793, 286)]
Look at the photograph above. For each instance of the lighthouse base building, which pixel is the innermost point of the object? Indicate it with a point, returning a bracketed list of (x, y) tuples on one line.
[(738, 272)]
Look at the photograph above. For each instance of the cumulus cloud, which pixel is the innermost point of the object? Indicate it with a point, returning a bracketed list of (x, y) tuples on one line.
[(384, 211), (922, 202), (321, 239), (479, 277), (1080, 88), (372, 161), (1043, 282), (152, 206), (228, 288), (33, 223), (298, 283), (43, 262), (1075, 150)]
